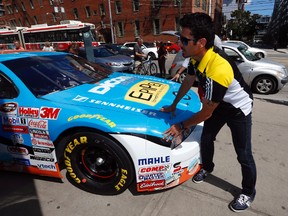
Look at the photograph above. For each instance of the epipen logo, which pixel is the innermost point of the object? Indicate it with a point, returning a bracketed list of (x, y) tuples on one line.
[(147, 92)]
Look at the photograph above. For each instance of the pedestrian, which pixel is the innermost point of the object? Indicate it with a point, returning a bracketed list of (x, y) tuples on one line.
[(183, 67), (47, 47), (73, 48), (139, 55), (18, 45), (226, 99), (162, 56)]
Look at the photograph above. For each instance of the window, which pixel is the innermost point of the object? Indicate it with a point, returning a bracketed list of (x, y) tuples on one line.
[(102, 10), (94, 12), (35, 20), (31, 4), (136, 5), (51, 2), (15, 8), (120, 29), (156, 27), (157, 3), (137, 28), (75, 12), (8, 90), (23, 6), (177, 3), (9, 9), (204, 5), (88, 11), (20, 22), (118, 7), (197, 3)]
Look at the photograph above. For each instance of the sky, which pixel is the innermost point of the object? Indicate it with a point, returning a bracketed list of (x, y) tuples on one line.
[(262, 7)]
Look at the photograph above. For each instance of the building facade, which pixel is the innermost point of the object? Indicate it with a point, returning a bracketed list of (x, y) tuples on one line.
[(126, 19)]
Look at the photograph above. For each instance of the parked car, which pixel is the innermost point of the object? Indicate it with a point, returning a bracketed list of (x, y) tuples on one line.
[(120, 49), (172, 47), (262, 75), (110, 60), (255, 51), (104, 127), (148, 48)]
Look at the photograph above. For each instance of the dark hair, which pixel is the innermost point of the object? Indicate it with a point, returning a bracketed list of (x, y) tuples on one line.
[(201, 26)]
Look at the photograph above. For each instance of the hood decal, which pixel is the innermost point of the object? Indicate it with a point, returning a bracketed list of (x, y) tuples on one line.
[(147, 92)]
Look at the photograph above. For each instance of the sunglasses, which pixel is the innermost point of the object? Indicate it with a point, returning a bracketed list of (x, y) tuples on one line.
[(185, 41)]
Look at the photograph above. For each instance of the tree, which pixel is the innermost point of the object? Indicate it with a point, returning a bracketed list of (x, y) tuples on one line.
[(242, 24)]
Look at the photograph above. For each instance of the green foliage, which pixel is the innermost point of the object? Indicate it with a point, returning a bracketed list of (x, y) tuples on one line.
[(242, 24)]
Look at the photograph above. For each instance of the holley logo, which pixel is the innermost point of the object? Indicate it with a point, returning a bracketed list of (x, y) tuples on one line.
[(28, 112)]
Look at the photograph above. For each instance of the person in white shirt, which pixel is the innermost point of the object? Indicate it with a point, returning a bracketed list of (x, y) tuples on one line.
[(47, 47)]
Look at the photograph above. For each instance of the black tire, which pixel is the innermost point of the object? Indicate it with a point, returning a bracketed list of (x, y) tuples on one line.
[(264, 85), (97, 163), (152, 55), (153, 69)]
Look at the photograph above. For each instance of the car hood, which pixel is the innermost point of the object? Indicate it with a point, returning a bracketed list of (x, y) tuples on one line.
[(267, 63), (131, 101)]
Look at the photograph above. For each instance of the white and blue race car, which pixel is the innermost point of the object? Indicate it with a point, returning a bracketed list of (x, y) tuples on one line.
[(105, 128)]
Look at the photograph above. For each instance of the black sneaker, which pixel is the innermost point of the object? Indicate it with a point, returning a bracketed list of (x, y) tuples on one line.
[(200, 176), (242, 202)]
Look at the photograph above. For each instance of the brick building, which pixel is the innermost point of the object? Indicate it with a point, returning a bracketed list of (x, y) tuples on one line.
[(129, 19)]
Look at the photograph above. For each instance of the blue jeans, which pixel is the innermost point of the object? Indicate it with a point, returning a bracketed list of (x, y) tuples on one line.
[(240, 126)]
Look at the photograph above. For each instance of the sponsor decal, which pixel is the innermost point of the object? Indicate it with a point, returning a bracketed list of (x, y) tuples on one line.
[(47, 167), (39, 158), (17, 139), (122, 181), (17, 150), (14, 121), (80, 98), (151, 185), (42, 142), (28, 112), (9, 108), (38, 124), (103, 88), (41, 134), (15, 128), (42, 150), (147, 92), (49, 113), (122, 107), (93, 116), (22, 161), (155, 160), (152, 176), (154, 169)]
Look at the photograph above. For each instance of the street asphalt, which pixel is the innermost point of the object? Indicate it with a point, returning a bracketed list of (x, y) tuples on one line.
[(22, 194)]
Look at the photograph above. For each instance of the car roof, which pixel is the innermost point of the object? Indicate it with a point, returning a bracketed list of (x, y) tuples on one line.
[(11, 55)]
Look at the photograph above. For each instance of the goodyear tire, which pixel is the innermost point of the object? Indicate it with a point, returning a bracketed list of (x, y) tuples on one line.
[(97, 163)]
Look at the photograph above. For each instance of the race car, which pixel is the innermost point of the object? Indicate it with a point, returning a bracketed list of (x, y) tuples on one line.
[(105, 128)]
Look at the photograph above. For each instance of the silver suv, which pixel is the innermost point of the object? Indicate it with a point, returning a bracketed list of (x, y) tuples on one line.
[(262, 75)]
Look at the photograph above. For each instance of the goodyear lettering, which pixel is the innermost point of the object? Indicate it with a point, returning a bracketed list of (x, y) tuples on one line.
[(104, 87), (156, 160), (75, 142), (70, 170), (122, 181), (94, 116)]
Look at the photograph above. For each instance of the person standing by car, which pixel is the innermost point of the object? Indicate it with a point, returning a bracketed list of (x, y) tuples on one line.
[(162, 56), (226, 99), (47, 47), (138, 53), (183, 67), (18, 45)]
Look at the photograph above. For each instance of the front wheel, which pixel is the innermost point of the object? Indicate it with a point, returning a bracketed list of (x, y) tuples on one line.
[(97, 163), (260, 55), (153, 69), (264, 85)]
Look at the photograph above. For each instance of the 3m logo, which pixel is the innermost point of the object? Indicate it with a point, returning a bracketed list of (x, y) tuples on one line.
[(147, 92), (49, 113)]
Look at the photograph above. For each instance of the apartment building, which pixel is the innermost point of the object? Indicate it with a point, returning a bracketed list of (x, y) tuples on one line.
[(115, 20)]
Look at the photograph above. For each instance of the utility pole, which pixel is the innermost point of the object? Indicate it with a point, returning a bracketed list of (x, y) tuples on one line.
[(111, 22)]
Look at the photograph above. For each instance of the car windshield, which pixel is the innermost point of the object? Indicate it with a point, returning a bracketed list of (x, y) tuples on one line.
[(46, 74), (103, 52), (248, 55)]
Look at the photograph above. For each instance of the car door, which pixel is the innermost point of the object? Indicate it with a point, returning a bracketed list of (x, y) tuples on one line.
[(242, 63)]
